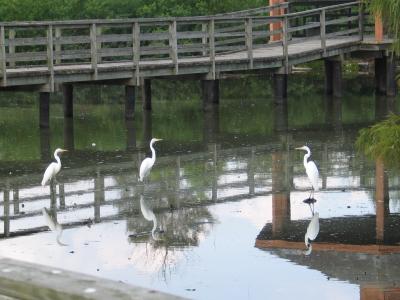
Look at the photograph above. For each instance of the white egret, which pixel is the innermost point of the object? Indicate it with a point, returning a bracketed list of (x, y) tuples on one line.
[(311, 170), (312, 233), (148, 162), (149, 215), (53, 168), (53, 225)]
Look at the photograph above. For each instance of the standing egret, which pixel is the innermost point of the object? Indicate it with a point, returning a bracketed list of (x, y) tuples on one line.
[(53, 168), (311, 170), (312, 232), (148, 162)]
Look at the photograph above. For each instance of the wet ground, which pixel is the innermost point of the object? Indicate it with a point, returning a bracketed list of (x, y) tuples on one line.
[(221, 215)]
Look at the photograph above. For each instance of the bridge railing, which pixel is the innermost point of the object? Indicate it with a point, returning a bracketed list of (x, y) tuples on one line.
[(96, 44)]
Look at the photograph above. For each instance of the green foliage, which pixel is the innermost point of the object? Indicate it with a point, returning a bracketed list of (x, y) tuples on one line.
[(390, 11), (382, 140), (27, 10)]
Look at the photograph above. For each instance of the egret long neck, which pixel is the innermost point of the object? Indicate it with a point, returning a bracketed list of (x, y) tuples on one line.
[(57, 158), (153, 152), (306, 156)]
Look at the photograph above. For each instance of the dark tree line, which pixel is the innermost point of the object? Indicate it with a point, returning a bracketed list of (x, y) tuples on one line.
[(27, 10)]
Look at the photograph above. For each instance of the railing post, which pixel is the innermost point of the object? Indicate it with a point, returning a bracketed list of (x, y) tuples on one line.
[(3, 59), (11, 47), (98, 35), (323, 31), (50, 56), (361, 21), (173, 44), (93, 49), (211, 38), (249, 40), (285, 41), (136, 49), (57, 45), (204, 38)]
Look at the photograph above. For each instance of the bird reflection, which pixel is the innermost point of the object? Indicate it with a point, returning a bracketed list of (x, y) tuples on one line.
[(53, 225), (149, 215), (312, 233)]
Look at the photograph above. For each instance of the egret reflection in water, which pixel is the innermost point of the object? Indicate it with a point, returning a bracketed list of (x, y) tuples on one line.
[(53, 225), (149, 215), (311, 233)]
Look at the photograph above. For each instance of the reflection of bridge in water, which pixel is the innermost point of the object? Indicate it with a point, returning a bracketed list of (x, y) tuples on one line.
[(100, 192)]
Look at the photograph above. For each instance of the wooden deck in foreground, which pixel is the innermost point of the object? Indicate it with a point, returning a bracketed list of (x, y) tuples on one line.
[(21, 280)]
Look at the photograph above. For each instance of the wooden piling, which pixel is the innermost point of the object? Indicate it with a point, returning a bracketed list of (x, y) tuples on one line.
[(146, 94), (130, 99), (333, 77), (210, 93), (44, 109), (68, 95), (279, 81)]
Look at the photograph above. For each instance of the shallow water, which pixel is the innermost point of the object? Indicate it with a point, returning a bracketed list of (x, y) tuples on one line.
[(222, 214)]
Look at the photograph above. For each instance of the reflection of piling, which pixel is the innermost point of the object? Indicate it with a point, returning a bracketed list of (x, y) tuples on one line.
[(16, 201), (281, 116), (250, 172), (98, 195), (211, 125), (214, 188), (280, 196), (53, 199), (61, 195), (334, 112), (44, 144), (130, 135), (381, 198), (6, 201), (69, 143), (325, 163)]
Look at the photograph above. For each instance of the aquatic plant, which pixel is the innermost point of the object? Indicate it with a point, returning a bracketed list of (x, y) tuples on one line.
[(382, 140)]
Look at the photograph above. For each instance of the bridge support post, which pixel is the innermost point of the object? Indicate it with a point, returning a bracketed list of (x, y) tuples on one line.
[(146, 94), (69, 141), (333, 77), (210, 93), (129, 102), (68, 95), (385, 75), (279, 81), (44, 109)]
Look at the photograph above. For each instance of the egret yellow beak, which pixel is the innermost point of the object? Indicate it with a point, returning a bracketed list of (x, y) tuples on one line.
[(157, 140), (299, 148), (63, 150)]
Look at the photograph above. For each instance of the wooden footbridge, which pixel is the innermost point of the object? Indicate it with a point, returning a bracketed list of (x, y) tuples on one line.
[(55, 55)]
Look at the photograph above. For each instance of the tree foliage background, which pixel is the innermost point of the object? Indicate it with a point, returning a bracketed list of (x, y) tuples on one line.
[(390, 12), (29, 10)]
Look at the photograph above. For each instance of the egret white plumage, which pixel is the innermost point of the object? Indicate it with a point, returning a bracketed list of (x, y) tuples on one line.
[(311, 170), (312, 233), (53, 168), (53, 225), (148, 162), (149, 215)]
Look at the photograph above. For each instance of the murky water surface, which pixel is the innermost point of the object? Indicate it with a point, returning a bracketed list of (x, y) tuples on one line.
[(221, 215)]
